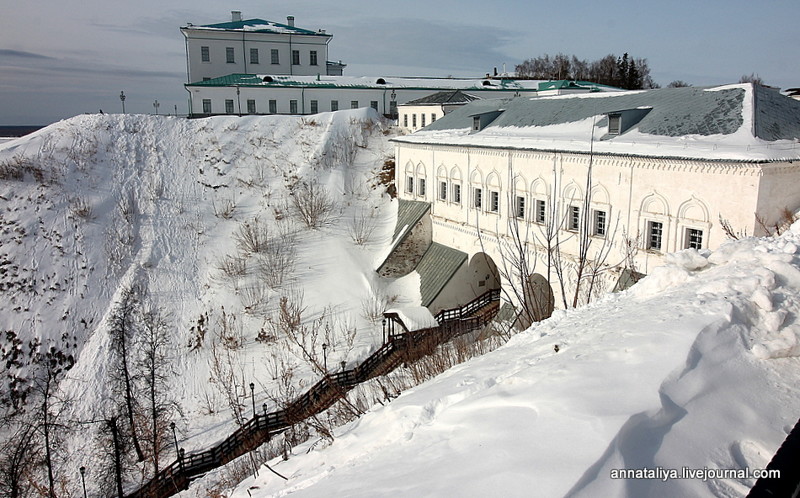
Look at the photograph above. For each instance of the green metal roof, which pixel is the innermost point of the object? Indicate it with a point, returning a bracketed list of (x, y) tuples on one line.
[(408, 214), (436, 268), (260, 26)]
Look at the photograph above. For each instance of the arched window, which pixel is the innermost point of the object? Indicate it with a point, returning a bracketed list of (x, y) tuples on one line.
[(455, 185), (476, 184), (540, 193), (422, 189), (441, 182), (693, 224), (494, 187), (573, 204), (654, 222)]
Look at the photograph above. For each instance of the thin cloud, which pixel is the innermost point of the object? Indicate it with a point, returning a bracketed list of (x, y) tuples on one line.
[(22, 54)]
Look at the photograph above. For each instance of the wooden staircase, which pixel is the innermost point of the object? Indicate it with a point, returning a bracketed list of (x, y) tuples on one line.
[(398, 349)]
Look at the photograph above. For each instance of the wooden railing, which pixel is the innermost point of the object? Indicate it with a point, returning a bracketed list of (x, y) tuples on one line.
[(397, 349)]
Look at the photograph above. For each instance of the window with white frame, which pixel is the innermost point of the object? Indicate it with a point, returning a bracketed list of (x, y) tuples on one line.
[(477, 198), (229, 106), (314, 107), (422, 118), (205, 54), (457, 193), (206, 106), (519, 207), (433, 117), (541, 211), (413, 120), (274, 56), (599, 223), (353, 104), (251, 106), (253, 56), (229, 55), (373, 104), (694, 238), (494, 201), (313, 57), (292, 106), (421, 187), (655, 234), (614, 124), (273, 107), (573, 218), (334, 105), (442, 191), (295, 57), (405, 120), (409, 184)]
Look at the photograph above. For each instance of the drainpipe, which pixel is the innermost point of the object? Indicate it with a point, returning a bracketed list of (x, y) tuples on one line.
[(244, 53), (303, 100), (291, 56)]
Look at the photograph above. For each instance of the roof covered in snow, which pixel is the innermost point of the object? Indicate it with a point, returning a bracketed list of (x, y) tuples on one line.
[(258, 26), (323, 81), (743, 122)]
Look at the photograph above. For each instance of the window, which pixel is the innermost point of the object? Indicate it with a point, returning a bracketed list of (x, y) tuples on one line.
[(251, 106), (374, 104), (614, 124), (274, 56), (476, 123), (273, 107), (457, 193), (655, 230), (433, 117), (295, 57), (519, 207), (253, 56), (229, 106), (421, 187), (422, 118), (410, 184), (206, 106), (413, 120), (205, 54), (494, 201), (442, 191), (694, 238), (541, 211), (314, 107), (477, 198), (313, 57), (353, 104), (334, 105), (599, 227), (229, 55), (292, 107), (405, 120), (574, 221)]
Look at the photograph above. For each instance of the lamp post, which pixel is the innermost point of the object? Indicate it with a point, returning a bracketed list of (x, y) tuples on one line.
[(325, 357), (344, 365), (253, 397), (384, 330), (122, 99), (83, 480), (156, 105), (176, 110), (238, 100), (174, 437)]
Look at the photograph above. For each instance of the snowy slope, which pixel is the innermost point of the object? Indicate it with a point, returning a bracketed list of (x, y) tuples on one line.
[(98, 203), (697, 366)]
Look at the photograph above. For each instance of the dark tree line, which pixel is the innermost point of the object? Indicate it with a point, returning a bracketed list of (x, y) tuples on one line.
[(622, 72)]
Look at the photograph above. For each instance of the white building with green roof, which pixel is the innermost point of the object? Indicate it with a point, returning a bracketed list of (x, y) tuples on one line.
[(619, 180)]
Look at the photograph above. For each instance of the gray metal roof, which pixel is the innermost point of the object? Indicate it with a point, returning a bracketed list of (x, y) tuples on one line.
[(674, 112), (438, 98), (408, 214), (436, 268)]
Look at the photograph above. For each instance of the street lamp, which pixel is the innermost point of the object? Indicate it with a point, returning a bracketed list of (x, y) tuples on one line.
[(156, 105), (83, 480), (384, 330), (122, 99), (174, 437), (325, 357), (253, 397), (344, 365)]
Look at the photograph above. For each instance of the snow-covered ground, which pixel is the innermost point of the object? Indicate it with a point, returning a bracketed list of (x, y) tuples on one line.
[(696, 366), (97, 204)]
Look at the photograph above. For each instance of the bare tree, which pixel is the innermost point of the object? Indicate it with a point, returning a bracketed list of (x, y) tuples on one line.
[(313, 203), (19, 454)]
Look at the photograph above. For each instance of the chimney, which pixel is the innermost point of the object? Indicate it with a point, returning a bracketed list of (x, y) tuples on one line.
[(290, 21), (236, 16)]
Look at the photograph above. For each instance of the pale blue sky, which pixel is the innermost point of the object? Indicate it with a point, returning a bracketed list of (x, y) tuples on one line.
[(58, 59)]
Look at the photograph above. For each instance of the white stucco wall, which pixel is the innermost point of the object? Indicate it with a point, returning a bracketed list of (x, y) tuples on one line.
[(413, 117), (680, 194)]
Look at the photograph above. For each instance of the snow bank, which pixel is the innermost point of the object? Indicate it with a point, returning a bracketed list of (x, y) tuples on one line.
[(696, 366)]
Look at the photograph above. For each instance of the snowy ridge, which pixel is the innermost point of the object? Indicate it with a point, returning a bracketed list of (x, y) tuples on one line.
[(696, 366)]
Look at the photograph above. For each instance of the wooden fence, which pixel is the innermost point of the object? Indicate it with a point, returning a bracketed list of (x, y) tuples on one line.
[(399, 348)]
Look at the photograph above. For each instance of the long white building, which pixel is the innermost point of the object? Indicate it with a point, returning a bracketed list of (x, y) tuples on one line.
[(654, 171)]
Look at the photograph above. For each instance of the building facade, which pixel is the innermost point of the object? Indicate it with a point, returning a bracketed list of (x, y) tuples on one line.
[(611, 180)]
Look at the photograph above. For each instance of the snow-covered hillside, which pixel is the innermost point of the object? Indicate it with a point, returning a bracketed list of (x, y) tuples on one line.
[(197, 218), (696, 366)]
